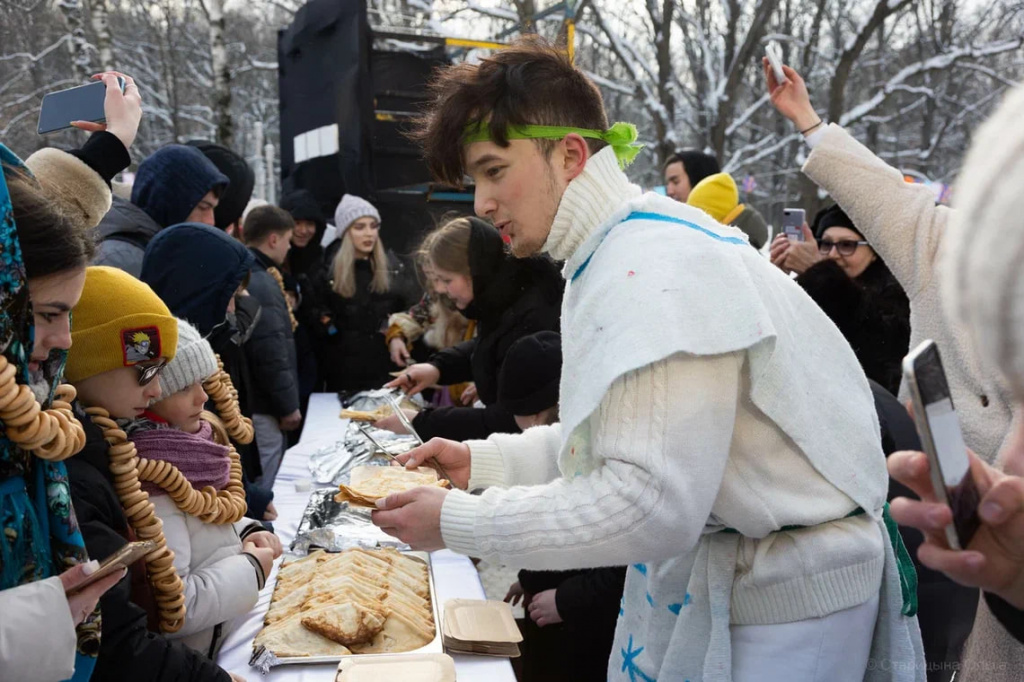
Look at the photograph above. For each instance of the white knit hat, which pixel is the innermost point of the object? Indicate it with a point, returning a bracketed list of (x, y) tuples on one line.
[(194, 362), (982, 257), (350, 209)]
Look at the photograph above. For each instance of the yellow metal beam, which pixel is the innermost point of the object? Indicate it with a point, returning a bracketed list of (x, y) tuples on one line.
[(482, 44), (570, 38)]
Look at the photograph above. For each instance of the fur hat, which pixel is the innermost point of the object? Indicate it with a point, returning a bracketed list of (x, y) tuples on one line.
[(119, 322), (350, 209), (74, 186), (983, 247), (194, 362)]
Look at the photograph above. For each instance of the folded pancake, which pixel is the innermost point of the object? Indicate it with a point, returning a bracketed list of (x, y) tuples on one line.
[(376, 483), (289, 638), (346, 623)]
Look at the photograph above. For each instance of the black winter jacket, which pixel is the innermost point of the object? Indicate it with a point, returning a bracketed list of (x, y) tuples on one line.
[(512, 298), (350, 332), (129, 651), (872, 313), (588, 601), (271, 350)]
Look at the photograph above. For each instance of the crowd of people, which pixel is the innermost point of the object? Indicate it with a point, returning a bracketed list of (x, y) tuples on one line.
[(686, 434)]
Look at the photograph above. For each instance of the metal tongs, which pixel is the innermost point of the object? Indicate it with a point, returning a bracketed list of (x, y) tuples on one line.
[(366, 432), (397, 409)]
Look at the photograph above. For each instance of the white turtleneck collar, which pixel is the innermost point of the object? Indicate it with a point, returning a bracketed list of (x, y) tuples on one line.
[(589, 200)]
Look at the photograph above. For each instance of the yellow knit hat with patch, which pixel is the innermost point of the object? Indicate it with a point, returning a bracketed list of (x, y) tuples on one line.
[(119, 322), (716, 195)]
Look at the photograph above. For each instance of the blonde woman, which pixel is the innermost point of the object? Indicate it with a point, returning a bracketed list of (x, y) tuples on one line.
[(363, 289)]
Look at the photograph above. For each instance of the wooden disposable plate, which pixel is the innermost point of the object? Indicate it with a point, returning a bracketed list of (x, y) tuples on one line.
[(480, 621), (403, 667), (435, 645)]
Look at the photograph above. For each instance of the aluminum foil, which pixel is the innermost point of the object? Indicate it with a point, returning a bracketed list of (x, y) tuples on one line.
[(335, 527), (332, 463)]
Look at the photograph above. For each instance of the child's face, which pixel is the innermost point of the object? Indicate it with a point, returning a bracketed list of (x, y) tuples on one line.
[(183, 409), (118, 391)]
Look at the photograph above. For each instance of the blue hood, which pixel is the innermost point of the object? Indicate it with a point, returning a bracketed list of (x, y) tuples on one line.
[(196, 269), (172, 181)]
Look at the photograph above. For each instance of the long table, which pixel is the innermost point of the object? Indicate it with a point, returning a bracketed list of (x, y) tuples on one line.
[(454, 575)]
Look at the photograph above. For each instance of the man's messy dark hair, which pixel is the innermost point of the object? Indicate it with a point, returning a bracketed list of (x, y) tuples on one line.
[(530, 82)]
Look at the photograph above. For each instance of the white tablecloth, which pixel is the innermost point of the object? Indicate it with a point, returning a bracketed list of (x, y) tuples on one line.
[(454, 575)]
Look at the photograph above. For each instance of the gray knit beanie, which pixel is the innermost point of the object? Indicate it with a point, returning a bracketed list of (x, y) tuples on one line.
[(194, 362), (350, 209), (982, 257)]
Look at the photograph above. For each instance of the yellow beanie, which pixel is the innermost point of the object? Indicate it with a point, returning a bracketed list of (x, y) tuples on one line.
[(716, 195), (119, 322)]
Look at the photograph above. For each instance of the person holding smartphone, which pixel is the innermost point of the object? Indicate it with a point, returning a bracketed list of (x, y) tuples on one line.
[(906, 228), (983, 289), (48, 204)]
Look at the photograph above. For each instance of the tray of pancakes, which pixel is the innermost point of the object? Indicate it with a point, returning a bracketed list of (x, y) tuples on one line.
[(367, 484), (360, 602)]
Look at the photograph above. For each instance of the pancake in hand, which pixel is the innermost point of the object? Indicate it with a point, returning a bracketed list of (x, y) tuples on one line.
[(369, 484)]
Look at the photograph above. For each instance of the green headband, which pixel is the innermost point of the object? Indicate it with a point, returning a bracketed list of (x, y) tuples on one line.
[(621, 136)]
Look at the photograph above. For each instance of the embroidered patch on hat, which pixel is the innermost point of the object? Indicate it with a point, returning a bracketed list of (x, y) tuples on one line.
[(140, 345)]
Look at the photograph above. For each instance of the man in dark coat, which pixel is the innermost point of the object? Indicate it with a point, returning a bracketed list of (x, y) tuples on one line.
[(271, 349), (176, 184), (197, 271)]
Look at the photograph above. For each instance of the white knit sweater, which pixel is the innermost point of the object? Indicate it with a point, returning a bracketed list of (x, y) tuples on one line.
[(681, 445)]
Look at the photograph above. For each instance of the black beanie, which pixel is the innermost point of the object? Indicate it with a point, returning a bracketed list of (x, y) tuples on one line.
[(833, 216), (236, 197), (696, 164), (528, 382)]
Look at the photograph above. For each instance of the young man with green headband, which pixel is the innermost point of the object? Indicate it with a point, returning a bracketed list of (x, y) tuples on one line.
[(691, 445)]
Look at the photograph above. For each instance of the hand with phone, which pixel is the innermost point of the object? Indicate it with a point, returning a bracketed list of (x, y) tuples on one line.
[(795, 255), (123, 109), (790, 97), (993, 560), (972, 514), (83, 595)]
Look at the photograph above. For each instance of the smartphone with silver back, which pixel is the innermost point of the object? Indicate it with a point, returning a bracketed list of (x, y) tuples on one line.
[(943, 442), (83, 103), (774, 54), (793, 223)]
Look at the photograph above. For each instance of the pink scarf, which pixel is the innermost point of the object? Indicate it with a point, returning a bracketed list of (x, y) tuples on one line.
[(202, 461)]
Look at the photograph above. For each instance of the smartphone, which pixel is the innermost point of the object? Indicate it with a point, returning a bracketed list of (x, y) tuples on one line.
[(126, 556), (84, 103), (774, 54), (943, 442), (793, 223)]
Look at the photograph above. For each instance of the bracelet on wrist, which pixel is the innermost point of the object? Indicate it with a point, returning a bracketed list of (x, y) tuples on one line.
[(813, 127)]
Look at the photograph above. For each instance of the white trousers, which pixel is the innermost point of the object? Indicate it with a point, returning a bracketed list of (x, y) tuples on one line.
[(835, 648)]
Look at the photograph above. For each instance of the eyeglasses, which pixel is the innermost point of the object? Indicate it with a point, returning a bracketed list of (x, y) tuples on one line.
[(150, 372), (845, 247)]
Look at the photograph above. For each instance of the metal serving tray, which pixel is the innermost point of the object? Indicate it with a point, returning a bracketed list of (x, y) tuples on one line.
[(435, 646)]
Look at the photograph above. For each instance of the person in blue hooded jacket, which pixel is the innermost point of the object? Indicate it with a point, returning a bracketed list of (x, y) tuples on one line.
[(176, 184), (200, 273)]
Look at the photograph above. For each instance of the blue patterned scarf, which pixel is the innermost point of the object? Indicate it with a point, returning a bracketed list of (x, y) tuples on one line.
[(41, 537)]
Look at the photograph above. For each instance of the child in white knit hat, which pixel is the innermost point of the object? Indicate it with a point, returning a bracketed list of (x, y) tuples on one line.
[(222, 558)]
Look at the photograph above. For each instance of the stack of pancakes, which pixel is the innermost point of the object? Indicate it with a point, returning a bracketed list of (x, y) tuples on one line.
[(359, 601)]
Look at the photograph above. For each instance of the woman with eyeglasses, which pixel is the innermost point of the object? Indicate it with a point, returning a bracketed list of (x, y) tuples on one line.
[(843, 274)]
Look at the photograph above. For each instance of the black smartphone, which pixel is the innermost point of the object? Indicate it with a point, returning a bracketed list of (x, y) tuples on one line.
[(943, 442), (84, 103)]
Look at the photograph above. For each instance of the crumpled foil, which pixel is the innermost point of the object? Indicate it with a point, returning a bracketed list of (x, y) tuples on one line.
[(335, 527), (332, 463)]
